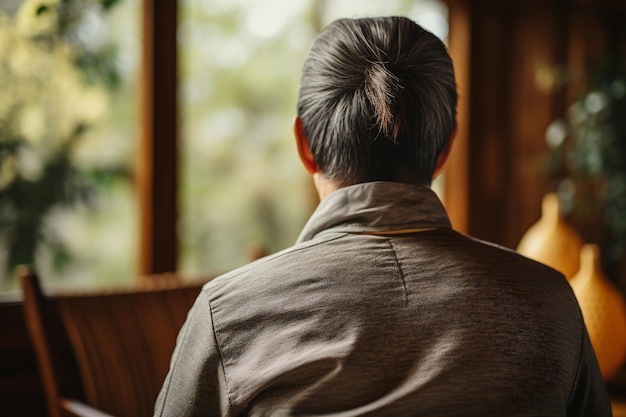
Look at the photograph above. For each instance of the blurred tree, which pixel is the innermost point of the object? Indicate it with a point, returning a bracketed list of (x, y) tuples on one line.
[(55, 83)]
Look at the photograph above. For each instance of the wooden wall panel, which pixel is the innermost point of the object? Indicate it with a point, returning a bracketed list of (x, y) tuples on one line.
[(534, 102), (490, 118), (525, 62)]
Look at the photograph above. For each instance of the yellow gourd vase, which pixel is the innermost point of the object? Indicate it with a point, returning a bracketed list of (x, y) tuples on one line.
[(604, 311), (551, 240)]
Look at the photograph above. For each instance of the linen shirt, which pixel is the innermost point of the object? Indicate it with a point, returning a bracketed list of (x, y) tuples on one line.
[(381, 309)]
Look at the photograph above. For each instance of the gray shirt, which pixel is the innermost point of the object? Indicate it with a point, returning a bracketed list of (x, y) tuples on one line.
[(381, 309)]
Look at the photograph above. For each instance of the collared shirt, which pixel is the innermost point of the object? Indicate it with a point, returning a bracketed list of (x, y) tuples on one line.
[(381, 309)]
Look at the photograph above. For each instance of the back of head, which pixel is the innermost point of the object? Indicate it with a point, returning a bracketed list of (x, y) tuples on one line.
[(377, 101)]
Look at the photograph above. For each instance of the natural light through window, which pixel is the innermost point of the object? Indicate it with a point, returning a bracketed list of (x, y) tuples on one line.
[(243, 191), (68, 123)]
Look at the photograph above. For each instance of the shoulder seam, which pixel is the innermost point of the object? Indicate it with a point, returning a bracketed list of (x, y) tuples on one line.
[(581, 333), (219, 351), (170, 374)]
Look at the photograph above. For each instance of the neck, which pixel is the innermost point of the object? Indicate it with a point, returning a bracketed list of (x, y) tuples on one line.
[(323, 185)]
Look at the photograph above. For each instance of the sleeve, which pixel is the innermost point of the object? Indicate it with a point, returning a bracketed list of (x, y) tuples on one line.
[(589, 396), (195, 384)]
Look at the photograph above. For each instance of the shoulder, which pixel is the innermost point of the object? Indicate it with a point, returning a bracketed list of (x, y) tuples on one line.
[(514, 260), (508, 270), (270, 273)]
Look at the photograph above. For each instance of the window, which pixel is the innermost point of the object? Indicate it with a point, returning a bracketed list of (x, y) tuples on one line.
[(67, 138), (72, 69), (242, 186)]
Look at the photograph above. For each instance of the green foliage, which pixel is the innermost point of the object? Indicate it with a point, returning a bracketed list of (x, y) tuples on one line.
[(589, 154), (54, 89), (107, 4)]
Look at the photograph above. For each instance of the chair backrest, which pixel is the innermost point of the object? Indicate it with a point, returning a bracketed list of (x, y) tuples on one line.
[(108, 349)]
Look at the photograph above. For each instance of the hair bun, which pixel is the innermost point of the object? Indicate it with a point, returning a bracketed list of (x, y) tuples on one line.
[(381, 88)]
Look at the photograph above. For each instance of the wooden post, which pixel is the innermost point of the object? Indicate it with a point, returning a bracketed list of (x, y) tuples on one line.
[(456, 198), (157, 164)]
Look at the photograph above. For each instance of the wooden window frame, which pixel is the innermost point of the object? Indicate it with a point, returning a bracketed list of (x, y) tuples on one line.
[(157, 158)]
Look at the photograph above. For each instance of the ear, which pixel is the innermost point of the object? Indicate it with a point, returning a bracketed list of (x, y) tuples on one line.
[(444, 155), (303, 148)]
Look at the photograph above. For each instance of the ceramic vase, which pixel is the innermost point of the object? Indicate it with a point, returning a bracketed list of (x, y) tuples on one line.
[(604, 311), (551, 240)]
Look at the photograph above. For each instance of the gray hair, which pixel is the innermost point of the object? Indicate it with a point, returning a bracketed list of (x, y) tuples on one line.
[(377, 100)]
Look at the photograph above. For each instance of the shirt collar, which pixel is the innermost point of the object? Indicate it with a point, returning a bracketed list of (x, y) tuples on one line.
[(376, 207)]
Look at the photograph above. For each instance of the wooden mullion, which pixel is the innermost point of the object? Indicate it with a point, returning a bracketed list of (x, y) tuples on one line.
[(157, 165)]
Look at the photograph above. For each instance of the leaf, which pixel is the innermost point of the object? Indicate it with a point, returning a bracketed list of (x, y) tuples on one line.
[(107, 4)]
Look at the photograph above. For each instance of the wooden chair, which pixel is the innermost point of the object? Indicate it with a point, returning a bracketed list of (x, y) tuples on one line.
[(103, 354)]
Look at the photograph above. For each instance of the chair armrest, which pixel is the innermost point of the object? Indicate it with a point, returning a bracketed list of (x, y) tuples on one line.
[(75, 408)]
